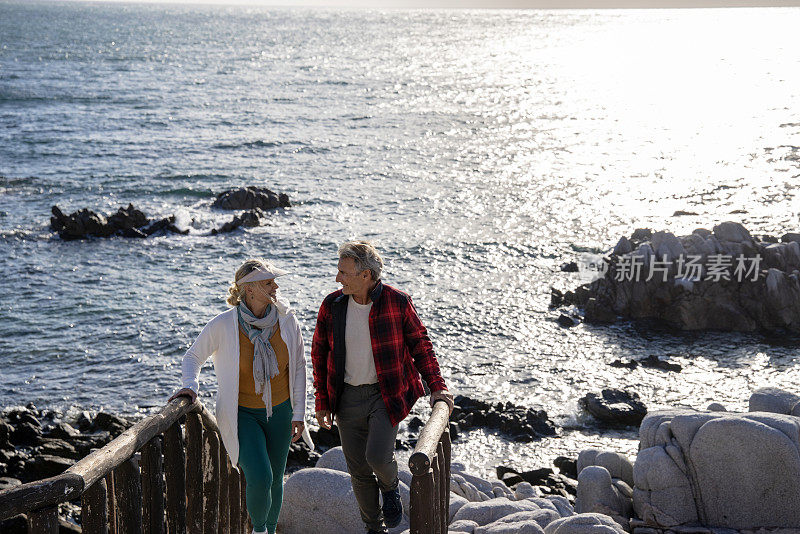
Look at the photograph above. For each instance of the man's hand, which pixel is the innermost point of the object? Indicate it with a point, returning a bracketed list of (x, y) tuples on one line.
[(444, 395), (324, 418), (297, 430), (185, 392)]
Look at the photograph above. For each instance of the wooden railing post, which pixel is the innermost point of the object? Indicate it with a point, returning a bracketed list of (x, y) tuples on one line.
[(235, 498), (430, 483), (210, 482), (43, 521), (194, 474), (112, 503), (128, 494), (421, 513), (175, 475), (243, 498), (153, 487), (447, 457), (224, 501), (442, 490), (94, 508)]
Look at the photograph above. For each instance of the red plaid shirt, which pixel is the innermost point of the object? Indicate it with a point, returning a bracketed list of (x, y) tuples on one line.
[(400, 346)]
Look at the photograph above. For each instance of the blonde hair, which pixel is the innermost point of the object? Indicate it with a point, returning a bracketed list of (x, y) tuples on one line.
[(236, 291)]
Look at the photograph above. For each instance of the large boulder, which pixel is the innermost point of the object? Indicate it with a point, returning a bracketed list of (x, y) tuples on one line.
[(738, 471), (598, 493), (322, 500), (584, 524), (491, 510), (247, 198), (773, 400)]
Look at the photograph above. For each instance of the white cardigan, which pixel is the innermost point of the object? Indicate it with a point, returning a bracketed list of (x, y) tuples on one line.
[(220, 338)]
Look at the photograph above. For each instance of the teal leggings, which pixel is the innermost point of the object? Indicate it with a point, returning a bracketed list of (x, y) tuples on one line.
[(263, 448)]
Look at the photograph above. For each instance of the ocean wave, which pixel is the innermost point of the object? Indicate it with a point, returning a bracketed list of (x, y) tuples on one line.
[(257, 144), (186, 192)]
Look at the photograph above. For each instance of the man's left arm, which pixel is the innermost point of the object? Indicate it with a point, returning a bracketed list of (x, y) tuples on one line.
[(419, 345)]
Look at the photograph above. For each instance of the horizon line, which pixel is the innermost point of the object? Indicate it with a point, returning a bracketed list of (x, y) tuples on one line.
[(454, 4)]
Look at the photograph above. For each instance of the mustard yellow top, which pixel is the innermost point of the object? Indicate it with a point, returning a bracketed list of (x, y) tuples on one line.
[(247, 385)]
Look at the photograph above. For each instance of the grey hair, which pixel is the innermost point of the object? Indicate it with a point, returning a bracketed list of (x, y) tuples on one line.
[(365, 255), (236, 291)]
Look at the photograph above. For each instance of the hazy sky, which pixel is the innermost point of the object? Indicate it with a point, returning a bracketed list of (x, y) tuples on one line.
[(505, 4)]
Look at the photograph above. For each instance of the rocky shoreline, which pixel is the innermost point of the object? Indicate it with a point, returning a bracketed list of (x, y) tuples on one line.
[(130, 222), (36, 444), (697, 471), (720, 279)]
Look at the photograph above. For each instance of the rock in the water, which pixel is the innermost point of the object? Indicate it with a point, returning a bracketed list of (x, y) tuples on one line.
[(247, 198), (566, 321), (615, 407), (584, 524), (720, 280), (249, 218), (127, 222), (58, 447), (520, 424)]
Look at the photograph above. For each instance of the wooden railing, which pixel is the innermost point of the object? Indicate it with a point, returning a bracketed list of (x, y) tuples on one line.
[(156, 492), (430, 467)]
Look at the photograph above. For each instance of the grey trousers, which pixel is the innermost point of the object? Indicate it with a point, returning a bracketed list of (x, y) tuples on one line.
[(368, 440)]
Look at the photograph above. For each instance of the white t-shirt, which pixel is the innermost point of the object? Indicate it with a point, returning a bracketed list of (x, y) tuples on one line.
[(359, 365)]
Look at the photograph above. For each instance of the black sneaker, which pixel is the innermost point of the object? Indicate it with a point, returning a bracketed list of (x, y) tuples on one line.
[(392, 508)]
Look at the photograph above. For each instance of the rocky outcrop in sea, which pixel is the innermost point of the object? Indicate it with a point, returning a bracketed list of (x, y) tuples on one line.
[(133, 223), (719, 279)]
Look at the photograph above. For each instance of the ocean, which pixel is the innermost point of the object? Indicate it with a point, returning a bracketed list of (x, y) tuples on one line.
[(478, 149)]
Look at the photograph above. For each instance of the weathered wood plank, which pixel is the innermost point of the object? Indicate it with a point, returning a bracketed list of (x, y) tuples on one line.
[(235, 499), (97, 464), (243, 498), (422, 497), (112, 504), (224, 501), (434, 504), (447, 455), (43, 521), (128, 494), (210, 482), (175, 475), (194, 473), (422, 458), (70, 484), (94, 508), (153, 487), (39, 494), (442, 490)]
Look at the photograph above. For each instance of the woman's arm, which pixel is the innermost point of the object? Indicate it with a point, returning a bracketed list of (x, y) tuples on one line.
[(203, 347)]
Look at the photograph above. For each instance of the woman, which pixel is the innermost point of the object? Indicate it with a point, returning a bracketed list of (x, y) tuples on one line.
[(259, 361)]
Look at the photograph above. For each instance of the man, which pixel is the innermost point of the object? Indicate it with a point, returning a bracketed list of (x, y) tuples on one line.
[(368, 352)]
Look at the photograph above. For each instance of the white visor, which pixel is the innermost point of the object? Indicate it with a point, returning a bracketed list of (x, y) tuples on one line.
[(262, 274)]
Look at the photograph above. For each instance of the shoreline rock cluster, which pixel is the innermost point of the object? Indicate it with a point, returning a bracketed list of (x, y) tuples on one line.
[(697, 472), (130, 222), (763, 295)]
